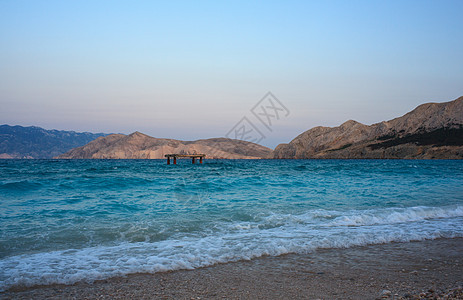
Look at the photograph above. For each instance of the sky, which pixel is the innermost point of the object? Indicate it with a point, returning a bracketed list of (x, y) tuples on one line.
[(198, 69)]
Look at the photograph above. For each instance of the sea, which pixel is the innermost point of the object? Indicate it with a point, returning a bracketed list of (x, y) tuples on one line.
[(66, 221)]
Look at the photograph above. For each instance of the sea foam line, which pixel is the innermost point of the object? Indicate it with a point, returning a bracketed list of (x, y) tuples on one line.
[(397, 215), (299, 234), (332, 218)]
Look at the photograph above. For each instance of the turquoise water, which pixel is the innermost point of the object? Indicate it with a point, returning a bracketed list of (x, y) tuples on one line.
[(64, 221)]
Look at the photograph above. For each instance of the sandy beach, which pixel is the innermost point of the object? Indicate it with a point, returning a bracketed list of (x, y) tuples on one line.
[(425, 269)]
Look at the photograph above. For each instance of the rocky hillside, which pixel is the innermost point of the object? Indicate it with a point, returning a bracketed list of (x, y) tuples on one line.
[(141, 146), (36, 142), (432, 130)]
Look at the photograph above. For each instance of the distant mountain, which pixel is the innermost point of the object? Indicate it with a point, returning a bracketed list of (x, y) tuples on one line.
[(141, 146), (36, 142), (432, 130)]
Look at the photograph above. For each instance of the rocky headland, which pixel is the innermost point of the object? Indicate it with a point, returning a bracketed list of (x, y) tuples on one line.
[(430, 131), (141, 146)]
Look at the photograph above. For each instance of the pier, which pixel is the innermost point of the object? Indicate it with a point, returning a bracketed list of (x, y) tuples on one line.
[(192, 156)]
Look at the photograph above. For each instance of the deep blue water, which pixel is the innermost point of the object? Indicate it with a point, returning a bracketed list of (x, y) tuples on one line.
[(63, 221)]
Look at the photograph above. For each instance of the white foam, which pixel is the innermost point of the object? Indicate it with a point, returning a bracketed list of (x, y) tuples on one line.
[(274, 234), (396, 215)]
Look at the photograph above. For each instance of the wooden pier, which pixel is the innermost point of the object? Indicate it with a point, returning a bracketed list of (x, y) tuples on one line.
[(193, 157)]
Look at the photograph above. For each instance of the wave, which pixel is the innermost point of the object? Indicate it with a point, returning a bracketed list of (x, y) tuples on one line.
[(332, 218), (396, 215), (272, 234), (22, 185)]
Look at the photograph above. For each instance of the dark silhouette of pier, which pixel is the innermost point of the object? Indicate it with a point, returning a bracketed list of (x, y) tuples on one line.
[(193, 157)]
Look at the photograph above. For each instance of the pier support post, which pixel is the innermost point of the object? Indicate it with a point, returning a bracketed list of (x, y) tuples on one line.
[(175, 160), (193, 161), (200, 159), (168, 160)]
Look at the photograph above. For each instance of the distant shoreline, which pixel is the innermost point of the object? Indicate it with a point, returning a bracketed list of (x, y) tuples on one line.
[(430, 131)]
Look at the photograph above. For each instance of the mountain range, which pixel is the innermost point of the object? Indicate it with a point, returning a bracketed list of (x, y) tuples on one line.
[(430, 131), (36, 142)]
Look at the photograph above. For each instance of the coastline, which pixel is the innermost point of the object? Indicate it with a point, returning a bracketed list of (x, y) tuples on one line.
[(394, 270)]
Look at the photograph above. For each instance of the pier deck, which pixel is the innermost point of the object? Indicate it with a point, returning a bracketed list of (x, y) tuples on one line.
[(192, 156)]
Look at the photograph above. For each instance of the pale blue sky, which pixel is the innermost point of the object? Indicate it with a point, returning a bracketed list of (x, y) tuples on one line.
[(191, 70)]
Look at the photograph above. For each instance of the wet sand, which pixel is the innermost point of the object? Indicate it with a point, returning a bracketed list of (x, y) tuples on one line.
[(425, 269)]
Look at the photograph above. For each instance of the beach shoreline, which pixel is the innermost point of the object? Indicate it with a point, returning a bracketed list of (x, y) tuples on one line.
[(393, 270)]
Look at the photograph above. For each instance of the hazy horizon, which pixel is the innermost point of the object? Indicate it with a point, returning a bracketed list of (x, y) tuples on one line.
[(190, 71)]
